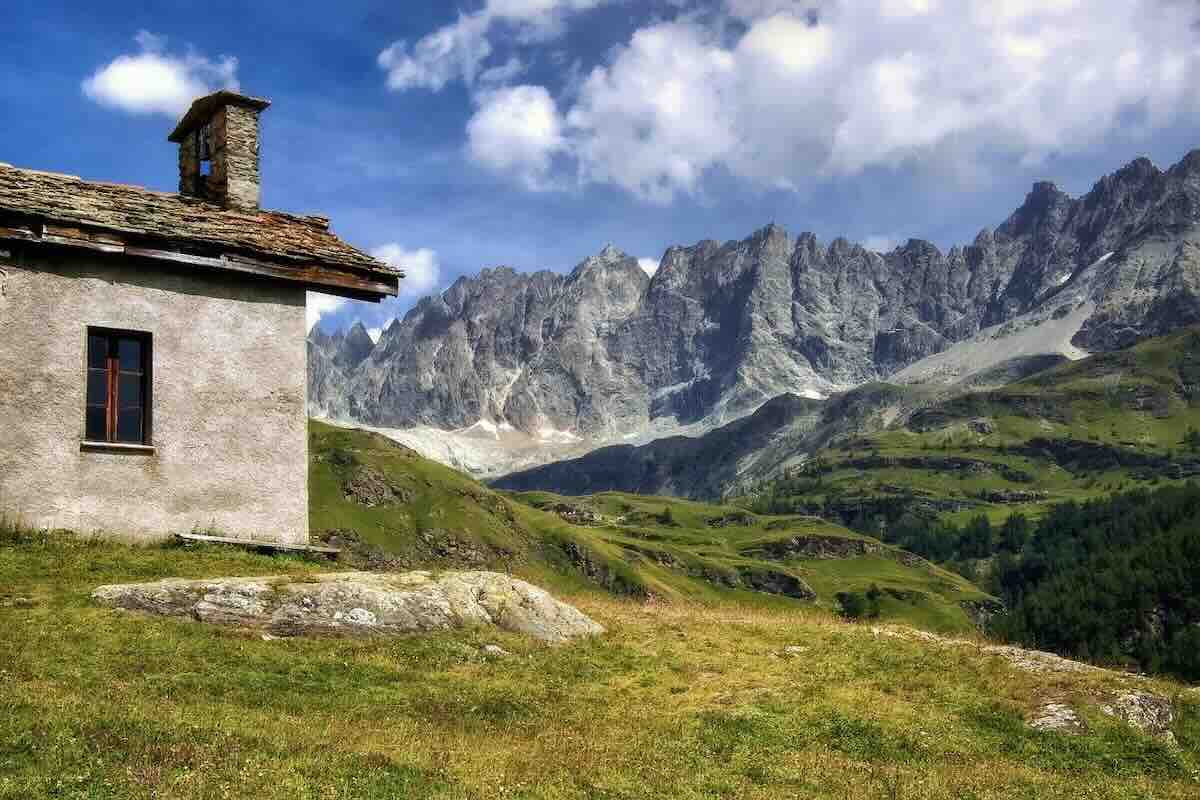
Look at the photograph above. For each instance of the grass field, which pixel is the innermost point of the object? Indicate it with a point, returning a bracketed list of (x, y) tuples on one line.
[(679, 700), (666, 548)]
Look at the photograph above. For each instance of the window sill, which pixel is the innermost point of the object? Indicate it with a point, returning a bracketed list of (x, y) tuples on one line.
[(116, 447)]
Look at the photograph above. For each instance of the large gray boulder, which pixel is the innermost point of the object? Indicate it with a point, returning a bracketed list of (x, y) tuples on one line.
[(360, 603)]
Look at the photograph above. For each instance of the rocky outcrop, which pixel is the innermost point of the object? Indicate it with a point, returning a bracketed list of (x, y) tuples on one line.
[(831, 547), (1147, 712), (368, 486), (357, 603)]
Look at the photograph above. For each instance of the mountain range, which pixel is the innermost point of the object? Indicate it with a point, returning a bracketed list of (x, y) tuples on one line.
[(553, 365)]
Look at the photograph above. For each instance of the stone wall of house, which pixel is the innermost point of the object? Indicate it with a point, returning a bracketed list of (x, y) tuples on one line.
[(230, 447)]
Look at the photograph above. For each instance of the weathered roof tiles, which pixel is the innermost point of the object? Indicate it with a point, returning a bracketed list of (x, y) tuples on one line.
[(183, 224)]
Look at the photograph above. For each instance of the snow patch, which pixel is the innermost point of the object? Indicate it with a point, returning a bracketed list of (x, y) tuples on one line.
[(547, 433), (485, 426)]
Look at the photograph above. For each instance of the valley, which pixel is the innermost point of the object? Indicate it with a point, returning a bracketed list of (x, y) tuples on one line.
[(392, 508)]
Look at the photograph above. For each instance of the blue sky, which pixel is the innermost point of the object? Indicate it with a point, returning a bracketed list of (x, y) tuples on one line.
[(533, 132)]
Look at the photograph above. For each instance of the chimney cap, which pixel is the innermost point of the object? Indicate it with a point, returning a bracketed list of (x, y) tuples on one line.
[(203, 109)]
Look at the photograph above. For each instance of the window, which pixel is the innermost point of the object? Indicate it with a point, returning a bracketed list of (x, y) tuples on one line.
[(118, 387), (204, 150)]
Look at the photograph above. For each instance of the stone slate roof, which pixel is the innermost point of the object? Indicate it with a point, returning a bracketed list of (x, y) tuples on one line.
[(179, 223)]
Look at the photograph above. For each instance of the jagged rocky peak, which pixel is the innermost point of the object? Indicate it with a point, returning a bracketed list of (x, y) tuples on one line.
[(356, 346), (1189, 167)]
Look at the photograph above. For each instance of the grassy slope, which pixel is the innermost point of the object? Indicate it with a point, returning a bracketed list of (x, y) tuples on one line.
[(676, 700), (1140, 402), (630, 549)]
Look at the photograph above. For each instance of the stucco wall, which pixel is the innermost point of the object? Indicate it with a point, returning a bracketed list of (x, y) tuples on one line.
[(229, 426)]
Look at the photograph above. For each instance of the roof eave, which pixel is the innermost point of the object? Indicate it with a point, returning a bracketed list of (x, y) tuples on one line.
[(336, 280)]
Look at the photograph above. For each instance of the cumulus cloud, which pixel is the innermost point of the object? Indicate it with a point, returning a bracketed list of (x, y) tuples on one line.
[(155, 81), (517, 130), (320, 305), (779, 93), (648, 265), (458, 51), (420, 267)]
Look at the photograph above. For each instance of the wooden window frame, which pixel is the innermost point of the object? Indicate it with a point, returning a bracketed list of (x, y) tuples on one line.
[(113, 373)]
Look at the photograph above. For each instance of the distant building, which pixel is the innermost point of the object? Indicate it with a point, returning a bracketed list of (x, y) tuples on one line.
[(152, 345)]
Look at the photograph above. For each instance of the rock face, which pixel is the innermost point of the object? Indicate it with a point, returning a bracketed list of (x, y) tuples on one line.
[(355, 603), (722, 328)]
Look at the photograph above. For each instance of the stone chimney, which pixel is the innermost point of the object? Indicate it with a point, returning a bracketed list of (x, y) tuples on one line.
[(218, 150)]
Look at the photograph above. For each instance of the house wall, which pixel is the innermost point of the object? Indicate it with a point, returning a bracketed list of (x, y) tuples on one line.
[(229, 424)]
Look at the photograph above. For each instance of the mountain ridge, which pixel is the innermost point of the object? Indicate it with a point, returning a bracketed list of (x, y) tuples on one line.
[(606, 353)]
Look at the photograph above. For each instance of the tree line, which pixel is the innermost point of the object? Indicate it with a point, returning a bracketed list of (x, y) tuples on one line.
[(1113, 581)]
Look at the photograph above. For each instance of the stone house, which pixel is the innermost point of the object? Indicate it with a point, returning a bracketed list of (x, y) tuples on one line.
[(152, 345)]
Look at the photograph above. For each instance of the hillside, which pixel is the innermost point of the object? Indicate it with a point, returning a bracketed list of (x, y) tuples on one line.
[(676, 699), (780, 434), (1074, 428), (392, 508), (1075, 431)]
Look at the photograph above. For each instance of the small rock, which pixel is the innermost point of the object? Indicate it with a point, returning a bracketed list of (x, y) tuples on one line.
[(494, 651), (1147, 712), (983, 426), (1059, 718), (793, 651)]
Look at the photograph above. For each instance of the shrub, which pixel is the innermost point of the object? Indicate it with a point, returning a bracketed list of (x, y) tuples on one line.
[(854, 605)]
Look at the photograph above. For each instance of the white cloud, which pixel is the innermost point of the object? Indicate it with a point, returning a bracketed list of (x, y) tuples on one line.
[(420, 267), (800, 90), (517, 130), (458, 51), (154, 81), (648, 265), (319, 305)]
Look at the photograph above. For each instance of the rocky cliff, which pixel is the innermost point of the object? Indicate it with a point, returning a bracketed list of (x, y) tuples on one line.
[(604, 352)]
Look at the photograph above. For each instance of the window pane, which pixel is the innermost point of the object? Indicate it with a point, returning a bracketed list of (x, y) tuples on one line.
[(129, 351), (129, 391), (97, 387), (129, 426), (97, 350), (96, 431)]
